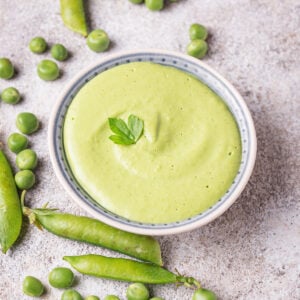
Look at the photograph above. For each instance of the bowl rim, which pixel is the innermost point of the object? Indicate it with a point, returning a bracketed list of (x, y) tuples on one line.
[(155, 231)]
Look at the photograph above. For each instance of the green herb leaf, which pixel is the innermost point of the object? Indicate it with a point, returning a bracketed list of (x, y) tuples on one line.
[(126, 135), (136, 126), (119, 127), (121, 140)]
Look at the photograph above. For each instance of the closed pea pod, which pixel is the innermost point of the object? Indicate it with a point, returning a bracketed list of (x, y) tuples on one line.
[(126, 270), (10, 208), (73, 15), (97, 233)]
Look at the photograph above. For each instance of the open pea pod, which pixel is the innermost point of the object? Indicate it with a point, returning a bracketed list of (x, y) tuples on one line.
[(73, 15), (10, 207)]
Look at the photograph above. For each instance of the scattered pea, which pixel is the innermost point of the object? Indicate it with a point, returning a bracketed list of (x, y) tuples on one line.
[(197, 48), (27, 122), (48, 70), (25, 179), (137, 291), (6, 68), (98, 40), (61, 277), (10, 95), (111, 297), (59, 52), (26, 160), (17, 142), (155, 4), (203, 294), (71, 295), (136, 1), (38, 45), (92, 297), (32, 286), (198, 32)]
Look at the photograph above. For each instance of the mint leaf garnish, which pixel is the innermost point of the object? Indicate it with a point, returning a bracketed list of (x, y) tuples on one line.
[(126, 134), (136, 126)]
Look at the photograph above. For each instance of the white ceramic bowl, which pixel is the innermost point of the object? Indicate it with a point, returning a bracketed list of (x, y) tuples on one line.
[(183, 62)]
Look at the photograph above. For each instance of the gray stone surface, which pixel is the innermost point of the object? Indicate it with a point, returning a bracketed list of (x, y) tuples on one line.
[(253, 250)]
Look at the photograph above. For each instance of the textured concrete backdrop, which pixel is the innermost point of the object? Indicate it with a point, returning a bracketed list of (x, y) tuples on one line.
[(253, 250)]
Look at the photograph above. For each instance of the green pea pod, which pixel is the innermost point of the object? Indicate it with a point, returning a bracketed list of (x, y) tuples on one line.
[(126, 270), (97, 233), (73, 16), (10, 208)]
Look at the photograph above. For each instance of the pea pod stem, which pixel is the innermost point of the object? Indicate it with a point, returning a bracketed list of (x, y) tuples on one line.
[(94, 232), (127, 270), (10, 206)]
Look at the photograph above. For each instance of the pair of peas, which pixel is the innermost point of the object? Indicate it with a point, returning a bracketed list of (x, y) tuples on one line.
[(198, 46), (58, 278), (26, 159), (47, 69), (153, 5), (9, 95)]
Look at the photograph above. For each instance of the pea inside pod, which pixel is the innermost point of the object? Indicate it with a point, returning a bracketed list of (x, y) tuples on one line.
[(97, 233), (10, 208)]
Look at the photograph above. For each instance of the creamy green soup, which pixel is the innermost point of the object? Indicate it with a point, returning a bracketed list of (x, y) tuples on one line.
[(186, 159)]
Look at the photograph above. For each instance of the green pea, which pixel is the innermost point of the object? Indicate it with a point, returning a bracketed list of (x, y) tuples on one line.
[(32, 286), (6, 68), (92, 297), (38, 45), (203, 294), (61, 277), (98, 40), (17, 142), (155, 4), (71, 295), (27, 122), (136, 1), (157, 298), (10, 95), (25, 179), (111, 297), (26, 159), (137, 291), (197, 48), (198, 32), (59, 52), (48, 70)]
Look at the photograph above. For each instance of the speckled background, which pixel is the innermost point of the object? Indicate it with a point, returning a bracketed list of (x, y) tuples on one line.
[(253, 250)]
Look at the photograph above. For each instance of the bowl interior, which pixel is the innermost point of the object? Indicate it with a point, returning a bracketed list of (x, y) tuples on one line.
[(219, 85)]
